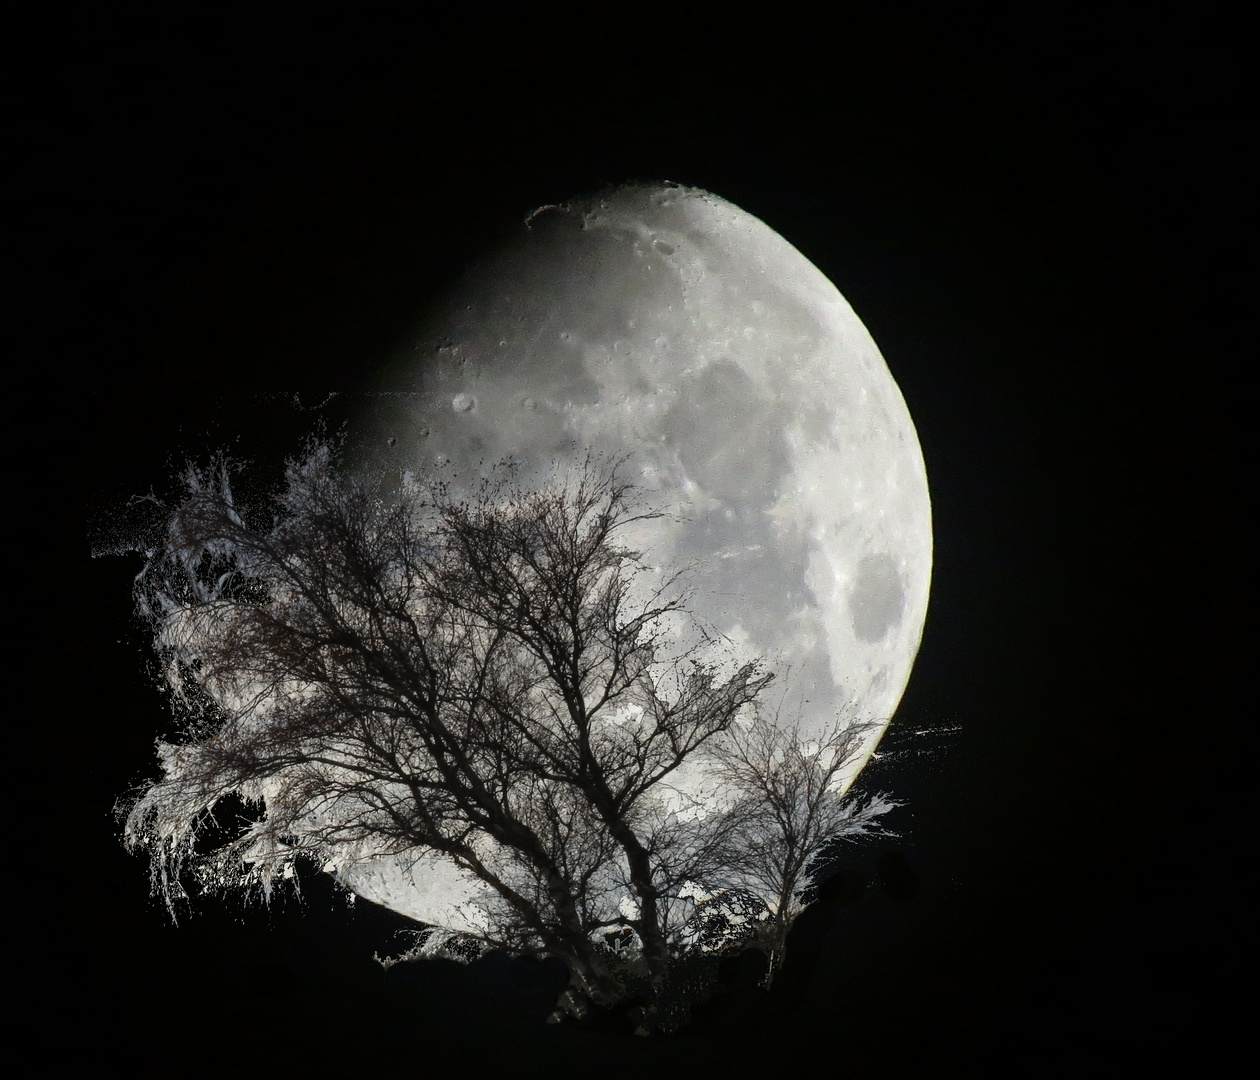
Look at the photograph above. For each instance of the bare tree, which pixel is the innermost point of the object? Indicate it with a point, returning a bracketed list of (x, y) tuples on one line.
[(489, 678), (787, 808)]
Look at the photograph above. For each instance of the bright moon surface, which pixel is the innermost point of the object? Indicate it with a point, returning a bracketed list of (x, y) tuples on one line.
[(668, 324)]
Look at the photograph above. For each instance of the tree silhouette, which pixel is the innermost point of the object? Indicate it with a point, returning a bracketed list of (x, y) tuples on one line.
[(491, 680)]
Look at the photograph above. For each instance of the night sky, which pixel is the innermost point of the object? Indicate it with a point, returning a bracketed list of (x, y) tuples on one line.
[(1040, 226)]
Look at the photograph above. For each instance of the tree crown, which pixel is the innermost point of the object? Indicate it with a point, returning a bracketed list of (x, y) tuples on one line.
[(486, 689)]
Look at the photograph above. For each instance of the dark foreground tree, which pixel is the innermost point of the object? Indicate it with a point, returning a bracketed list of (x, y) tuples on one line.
[(493, 679)]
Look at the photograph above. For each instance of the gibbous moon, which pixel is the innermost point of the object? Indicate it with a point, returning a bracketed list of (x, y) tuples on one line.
[(666, 323)]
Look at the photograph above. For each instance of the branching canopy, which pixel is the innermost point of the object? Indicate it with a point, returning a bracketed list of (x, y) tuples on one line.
[(493, 680)]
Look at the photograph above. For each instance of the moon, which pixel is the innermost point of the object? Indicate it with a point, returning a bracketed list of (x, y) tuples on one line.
[(663, 322)]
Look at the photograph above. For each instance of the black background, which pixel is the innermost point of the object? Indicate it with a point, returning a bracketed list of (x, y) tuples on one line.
[(1040, 221)]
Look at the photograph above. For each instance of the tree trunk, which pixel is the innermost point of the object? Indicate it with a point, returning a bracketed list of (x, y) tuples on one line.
[(648, 924), (590, 983)]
